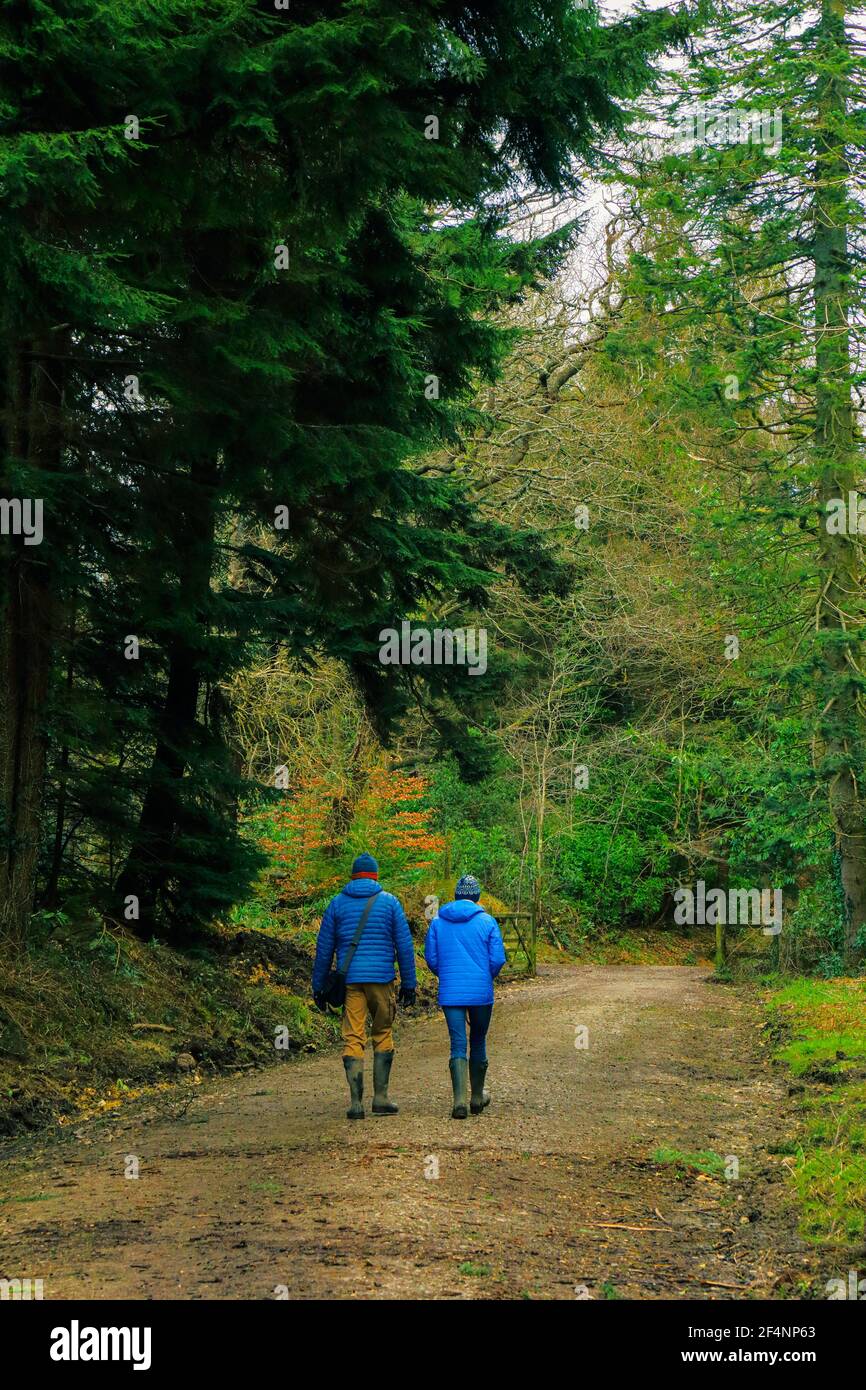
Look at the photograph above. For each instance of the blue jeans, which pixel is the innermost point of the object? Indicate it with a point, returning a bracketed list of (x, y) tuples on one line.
[(479, 1022)]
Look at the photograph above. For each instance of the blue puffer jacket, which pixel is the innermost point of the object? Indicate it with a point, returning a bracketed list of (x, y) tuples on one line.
[(464, 948), (386, 935)]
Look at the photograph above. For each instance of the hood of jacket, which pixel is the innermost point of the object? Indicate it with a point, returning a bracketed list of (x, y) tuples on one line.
[(361, 888), (460, 910)]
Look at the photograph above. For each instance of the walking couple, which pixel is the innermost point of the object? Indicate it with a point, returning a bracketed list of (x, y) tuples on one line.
[(366, 929)]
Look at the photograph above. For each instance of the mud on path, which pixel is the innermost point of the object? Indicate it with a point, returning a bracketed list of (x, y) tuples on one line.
[(551, 1193)]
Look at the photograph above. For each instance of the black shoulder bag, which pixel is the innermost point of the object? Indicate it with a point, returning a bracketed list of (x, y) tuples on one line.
[(335, 984)]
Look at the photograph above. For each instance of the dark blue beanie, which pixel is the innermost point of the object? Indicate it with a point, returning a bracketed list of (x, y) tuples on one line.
[(468, 887), (365, 864)]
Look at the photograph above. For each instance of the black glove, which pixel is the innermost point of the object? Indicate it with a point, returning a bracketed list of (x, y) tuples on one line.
[(321, 1003), (406, 997)]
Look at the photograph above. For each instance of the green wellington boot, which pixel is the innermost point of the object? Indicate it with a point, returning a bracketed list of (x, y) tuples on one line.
[(459, 1069), (355, 1077), (381, 1071), (480, 1096)]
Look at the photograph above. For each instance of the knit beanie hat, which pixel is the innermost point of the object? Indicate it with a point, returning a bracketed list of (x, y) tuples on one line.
[(365, 866), (468, 887)]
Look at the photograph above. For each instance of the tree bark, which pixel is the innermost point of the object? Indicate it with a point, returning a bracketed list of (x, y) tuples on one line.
[(32, 433), (841, 562), (146, 871)]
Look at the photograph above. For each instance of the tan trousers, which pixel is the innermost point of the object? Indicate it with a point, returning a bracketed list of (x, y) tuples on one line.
[(380, 1002)]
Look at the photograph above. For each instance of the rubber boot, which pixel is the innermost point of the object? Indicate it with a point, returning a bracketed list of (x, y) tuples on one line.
[(459, 1068), (355, 1077), (381, 1071), (480, 1096)]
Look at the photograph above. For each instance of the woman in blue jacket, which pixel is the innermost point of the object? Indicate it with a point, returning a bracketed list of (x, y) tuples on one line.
[(464, 948)]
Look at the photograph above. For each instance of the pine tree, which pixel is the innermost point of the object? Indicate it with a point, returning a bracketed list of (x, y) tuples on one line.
[(72, 77), (256, 294)]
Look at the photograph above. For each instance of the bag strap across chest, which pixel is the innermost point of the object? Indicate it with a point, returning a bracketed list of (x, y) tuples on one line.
[(362, 922)]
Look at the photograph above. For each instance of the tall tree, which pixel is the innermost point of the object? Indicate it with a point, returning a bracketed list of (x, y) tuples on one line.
[(255, 297), (757, 276), (837, 222), (72, 77)]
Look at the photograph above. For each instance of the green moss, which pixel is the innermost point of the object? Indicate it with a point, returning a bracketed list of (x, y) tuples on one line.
[(821, 1028), (705, 1162)]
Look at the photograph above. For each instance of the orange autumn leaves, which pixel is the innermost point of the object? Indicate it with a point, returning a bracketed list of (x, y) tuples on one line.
[(392, 820), (314, 834)]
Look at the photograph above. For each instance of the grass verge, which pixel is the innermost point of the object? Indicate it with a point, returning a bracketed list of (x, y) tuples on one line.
[(819, 1027)]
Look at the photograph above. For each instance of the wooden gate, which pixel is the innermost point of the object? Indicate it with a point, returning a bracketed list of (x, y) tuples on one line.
[(519, 933), (730, 942)]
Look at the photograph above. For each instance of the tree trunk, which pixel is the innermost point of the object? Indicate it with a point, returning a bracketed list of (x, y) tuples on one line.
[(841, 564), (52, 889), (33, 406), (146, 872), (144, 875)]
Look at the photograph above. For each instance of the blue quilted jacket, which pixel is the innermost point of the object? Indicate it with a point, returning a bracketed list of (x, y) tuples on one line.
[(386, 935), (464, 948)]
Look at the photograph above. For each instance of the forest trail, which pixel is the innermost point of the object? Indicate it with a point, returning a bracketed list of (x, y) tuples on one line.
[(551, 1193)]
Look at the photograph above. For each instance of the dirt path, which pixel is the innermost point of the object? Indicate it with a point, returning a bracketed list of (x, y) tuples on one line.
[(263, 1183)]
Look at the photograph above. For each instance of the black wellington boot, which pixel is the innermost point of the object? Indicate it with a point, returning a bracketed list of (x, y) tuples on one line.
[(381, 1071), (355, 1077), (480, 1096), (459, 1068)]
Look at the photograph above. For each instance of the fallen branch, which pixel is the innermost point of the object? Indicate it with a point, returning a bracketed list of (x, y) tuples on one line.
[(618, 1226)]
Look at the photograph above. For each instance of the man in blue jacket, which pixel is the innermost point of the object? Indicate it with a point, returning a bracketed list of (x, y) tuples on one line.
[(464, 948), (370, 978)]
